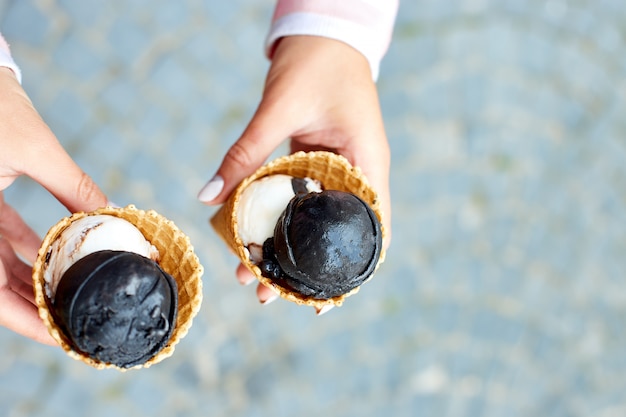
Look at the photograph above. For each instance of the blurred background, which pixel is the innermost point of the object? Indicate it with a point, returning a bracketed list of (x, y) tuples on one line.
[(502, 293)]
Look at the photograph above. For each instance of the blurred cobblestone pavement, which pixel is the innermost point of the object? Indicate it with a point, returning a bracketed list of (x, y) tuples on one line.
[(502, 294)]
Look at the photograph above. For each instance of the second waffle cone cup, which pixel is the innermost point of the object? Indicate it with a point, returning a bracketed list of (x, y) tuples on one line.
[(177, 258), (334, 172)]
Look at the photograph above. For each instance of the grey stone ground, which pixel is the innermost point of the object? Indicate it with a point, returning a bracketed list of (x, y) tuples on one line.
[(502, 294)]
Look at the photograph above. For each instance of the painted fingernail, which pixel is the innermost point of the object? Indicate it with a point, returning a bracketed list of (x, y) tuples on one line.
[(324, 309), (247, 281), (212, 189), (269, 300)]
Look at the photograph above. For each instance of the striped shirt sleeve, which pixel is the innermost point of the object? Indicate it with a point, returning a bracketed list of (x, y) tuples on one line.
[(366, 25), (6, 60)]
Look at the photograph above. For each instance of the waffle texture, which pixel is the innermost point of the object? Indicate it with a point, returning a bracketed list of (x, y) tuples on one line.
[(176, 257), (334, 173)]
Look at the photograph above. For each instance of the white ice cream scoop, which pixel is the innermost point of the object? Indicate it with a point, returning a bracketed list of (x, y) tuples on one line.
[(262, 203), (91, 234)]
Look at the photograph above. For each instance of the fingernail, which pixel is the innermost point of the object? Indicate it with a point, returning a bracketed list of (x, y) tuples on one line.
[(112, 204), (245, 282), (269, 300), (212, 189), (324, 309)]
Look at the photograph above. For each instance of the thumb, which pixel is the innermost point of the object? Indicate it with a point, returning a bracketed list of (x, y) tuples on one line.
[(260, 138), (55, 170), (32, 149)]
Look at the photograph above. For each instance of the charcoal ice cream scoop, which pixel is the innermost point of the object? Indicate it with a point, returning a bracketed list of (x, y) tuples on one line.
[(261, 205), (326, 243), (117, 307)]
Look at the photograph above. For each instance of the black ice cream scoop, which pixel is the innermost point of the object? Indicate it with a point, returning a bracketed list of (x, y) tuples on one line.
[(325, 244), (117, 307)]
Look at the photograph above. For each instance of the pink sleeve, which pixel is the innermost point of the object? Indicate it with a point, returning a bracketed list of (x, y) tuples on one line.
[(6, 60), (366, 25)]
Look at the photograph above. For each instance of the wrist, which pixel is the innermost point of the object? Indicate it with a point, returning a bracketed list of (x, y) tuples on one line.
[(7, 63), (365, 25), (7, 72), (326, 52)]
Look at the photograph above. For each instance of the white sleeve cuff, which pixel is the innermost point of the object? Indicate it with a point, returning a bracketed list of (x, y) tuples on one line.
[(7, 61), (372, 42)]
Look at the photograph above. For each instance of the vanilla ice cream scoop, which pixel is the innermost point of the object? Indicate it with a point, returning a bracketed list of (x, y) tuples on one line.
[(91, 234), (261, 205)]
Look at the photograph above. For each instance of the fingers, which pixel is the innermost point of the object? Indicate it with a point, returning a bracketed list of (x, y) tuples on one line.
[(59, 174), (21, 316), (14, 273), (244, 276), (30, 148), (265, 294), (17, 309), (246, 155), (20, 236)]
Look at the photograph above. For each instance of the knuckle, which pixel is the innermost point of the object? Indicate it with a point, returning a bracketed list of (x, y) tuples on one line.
[(87, 190), (239, 155)]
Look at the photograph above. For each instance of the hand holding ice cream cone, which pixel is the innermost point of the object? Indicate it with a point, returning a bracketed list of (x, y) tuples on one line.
[(320, 94), (307, 226)]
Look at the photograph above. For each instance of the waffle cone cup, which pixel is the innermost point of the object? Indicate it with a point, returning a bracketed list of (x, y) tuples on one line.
[(334, 173), (177, 258)]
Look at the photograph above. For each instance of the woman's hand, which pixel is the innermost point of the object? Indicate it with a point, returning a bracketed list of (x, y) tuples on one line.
[(17, 301), (319, 92), (28, 147)]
